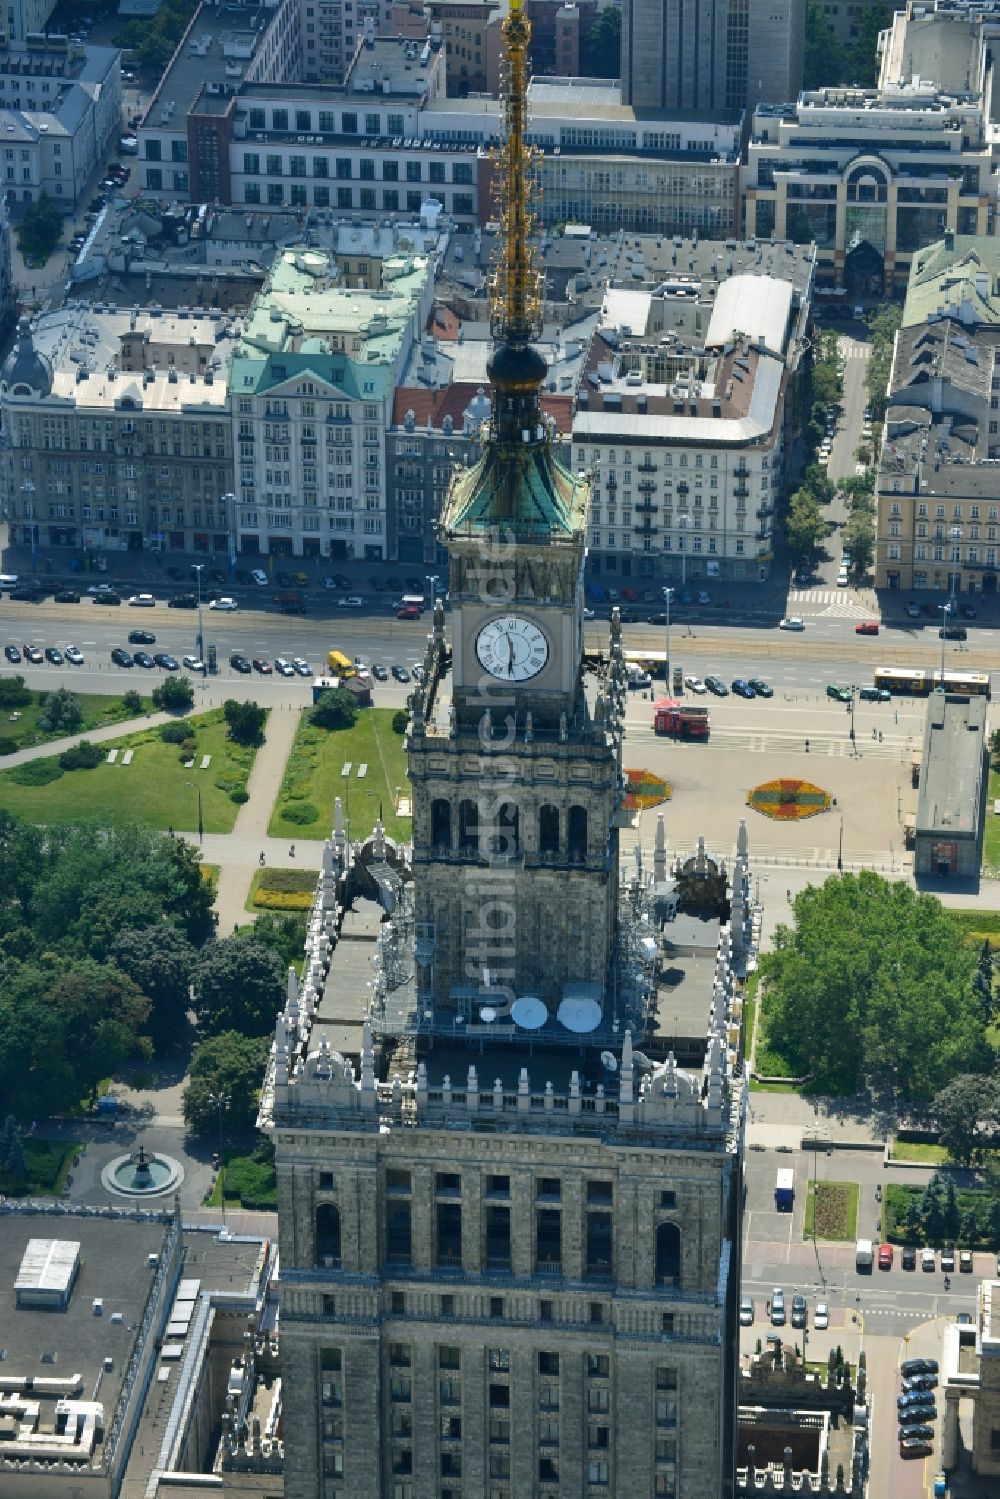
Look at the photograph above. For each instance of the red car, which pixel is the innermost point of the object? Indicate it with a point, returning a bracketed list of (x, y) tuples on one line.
[(264, 667), (408, 611), (867, 627), (885, 1256)]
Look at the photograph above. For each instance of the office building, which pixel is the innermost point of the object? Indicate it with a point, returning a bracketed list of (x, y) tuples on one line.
[(508, 1145), (938, 488), (311, 386), (709, 55), (683, 418), (117, 431), (873, 175), (60, 108), (952, 785)]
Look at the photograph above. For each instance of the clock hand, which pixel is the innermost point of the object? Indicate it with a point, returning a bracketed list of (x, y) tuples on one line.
[(510, 656)]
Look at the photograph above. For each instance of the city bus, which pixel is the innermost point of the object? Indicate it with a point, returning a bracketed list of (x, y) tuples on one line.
[(913, 681), (965, 683), (652, 662)]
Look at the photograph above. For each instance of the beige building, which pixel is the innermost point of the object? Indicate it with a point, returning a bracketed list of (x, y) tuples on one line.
[(116, 431), (938, 488), (970, 1370)]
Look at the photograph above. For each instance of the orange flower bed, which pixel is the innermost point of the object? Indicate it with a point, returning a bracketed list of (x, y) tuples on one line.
[(788, 800), (644, 789)]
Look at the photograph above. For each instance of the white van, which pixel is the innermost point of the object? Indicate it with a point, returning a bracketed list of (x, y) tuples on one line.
[(842, 578)]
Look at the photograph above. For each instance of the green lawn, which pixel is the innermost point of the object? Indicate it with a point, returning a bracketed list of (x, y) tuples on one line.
[(49, 1163), (833, 1206), (249, 1181), (99, 709), (991, 835), (155, 790), (976, 925), (918, 1150), (897, 1198), (313, 778)]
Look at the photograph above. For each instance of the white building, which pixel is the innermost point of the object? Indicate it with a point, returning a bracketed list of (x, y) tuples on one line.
[(60, 107)]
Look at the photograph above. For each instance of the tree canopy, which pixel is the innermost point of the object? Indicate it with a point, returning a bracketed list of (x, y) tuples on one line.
[(239, 986), (230, 1066), (967, 1111), (245, 721), (160, 959), (872, 986)]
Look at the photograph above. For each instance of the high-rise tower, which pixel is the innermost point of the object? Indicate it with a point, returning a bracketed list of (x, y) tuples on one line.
[(507, 1101)]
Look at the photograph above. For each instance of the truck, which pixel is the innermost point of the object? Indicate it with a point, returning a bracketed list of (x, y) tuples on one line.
[(339, 664), (864, 1255), (681, 720), (784, 1190)]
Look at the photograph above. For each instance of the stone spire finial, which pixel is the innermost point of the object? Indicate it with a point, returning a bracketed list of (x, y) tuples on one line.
[(742, 841), (660, 850)]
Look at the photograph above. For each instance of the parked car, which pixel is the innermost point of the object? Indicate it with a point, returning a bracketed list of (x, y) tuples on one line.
[(915, 1447), (908, 1257), (760, 687), (800, 1312), (142, 601), (66, 596), (742, 688), (283, 667), (380, 674), (821, 1316), (27, 593), (777, 1307), (717, 685), (194, 663), (351, 601), (12, 653), (408, 611), (885, 1253), (866, 627), (401, 674), (283, 579), (264, 667), (948, 1261), (703, 597), (965, 1261), (922, 1433), (121, 657), (259, 577), (106, 596), (839, 694), (144, 659), (225, 605), (141, 637), (746, 1311), (913, 610), (302, 578), (240, 663), (302, 666), (695, 684), (953, 632), (914, 1398), (791, 622), (911, 1366), (874, 694), (165, 661), (53, 655), (928, 1260), (920, 1382)]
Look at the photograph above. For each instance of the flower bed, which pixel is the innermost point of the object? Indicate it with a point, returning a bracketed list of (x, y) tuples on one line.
[(788, 800), (644, 789)]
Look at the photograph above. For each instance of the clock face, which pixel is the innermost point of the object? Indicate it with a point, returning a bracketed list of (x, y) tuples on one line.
[(512, 648)]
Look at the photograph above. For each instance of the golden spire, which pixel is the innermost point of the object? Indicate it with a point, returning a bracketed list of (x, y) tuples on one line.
[(515, 291)]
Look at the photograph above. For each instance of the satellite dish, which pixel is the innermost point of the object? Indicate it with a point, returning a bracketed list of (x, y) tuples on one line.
[(529, 1012), (641, 1061), (609, 1060), (488, 1014), (579, 1015)]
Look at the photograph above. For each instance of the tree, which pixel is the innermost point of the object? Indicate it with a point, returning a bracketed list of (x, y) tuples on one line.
[(601, 53), (858, 538), (13, 693), (239, 986), (862, 54), (912, 1219), (869, 976), (965, 1110), (969, 1233), (230, 1065), (982, 983), (246, 721), (40, 227), (805, 527), (174, 695), (15, 1164), (336, 709), (161, 960), (952, 1216), (818, 484), (824, 60), (884, 325), (283, 932), (61, 712), (132, 701), (825, 383), (932, 1210)]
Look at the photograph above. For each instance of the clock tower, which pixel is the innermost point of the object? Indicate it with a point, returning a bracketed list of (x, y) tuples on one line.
[(516, 778)]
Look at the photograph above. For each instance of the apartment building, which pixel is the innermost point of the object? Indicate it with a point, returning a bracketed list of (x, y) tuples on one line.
[(938, 491), (117, 434), (311, 386), (60, 107), (332, 30), (871, 175), (684, 416)]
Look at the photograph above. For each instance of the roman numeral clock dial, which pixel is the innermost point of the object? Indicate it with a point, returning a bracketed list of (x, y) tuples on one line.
[(512, 648)]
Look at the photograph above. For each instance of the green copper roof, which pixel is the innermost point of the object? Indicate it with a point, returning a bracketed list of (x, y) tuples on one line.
[(960, 271), (520, 487)]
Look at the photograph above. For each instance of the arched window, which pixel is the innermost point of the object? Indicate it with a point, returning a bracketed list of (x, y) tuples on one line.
[(441, 823), (668, 1254), (548, 829), (328, 1235), (506, 831), (577, 833), (468, 827)]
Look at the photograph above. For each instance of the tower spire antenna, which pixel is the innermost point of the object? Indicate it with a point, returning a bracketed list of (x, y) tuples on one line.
[(516, 301)]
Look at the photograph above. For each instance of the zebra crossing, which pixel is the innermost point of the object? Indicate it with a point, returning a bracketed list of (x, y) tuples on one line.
[(852, 348), (832, 603), (785, 742)]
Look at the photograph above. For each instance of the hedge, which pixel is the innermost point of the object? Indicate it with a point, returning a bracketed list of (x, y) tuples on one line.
[(288, 880), (282, 900), (301, 813), (36, 772)]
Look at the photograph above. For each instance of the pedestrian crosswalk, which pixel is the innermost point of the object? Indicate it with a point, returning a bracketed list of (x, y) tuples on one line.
[(851, 348), (833, 603)]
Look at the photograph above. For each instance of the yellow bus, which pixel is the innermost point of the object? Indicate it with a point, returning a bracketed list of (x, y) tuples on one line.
[(910, 680), (966, 683), (339, 664)]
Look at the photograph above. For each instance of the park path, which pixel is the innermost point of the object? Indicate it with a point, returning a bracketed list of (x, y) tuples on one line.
[(96, 736), (239, 851)]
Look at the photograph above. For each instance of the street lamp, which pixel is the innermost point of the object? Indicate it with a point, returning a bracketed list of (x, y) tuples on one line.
[(229, 500), (29, 489), (668, 594), (840, 848), (197, 567), (432, 579), (685, 521), (220, 1101)]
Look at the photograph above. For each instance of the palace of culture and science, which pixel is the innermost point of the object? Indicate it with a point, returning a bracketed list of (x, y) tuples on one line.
[(507, 1099)]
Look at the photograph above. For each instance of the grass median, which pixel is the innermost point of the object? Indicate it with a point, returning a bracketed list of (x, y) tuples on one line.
[(314, 777), (156, 790)]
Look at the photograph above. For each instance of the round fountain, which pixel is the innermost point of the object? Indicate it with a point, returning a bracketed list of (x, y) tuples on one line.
[(142, 1173)]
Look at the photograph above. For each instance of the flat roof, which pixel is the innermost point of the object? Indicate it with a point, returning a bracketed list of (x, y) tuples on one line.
[(48, 1265), (951, 774), (221, 42)]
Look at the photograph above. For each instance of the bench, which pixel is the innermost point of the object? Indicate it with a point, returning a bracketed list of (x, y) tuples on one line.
[(347, 768), (206, 761), (127, 757), (112, 756), (362, 772)]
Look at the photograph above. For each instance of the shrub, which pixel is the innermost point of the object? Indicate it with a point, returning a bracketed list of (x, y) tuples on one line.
[(336, 709), (239, 796), (301, 813), (8, 746), (36, 772), (82, 756), (62, 712), (288, 880), (175, 695), (282, 900), (399, 721), (175, 733), (13, 693), (132, 701)]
